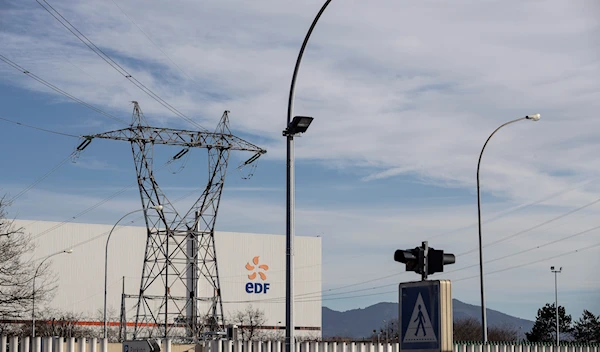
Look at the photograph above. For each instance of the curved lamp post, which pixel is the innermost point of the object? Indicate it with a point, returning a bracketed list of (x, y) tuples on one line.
[(33, 292), (299, 124), (534, 117), (155, 207)]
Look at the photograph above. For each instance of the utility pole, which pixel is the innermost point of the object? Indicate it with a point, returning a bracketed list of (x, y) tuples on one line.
[(556, 272)]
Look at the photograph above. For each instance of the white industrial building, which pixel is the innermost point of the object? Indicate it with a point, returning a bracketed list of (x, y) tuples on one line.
[(80, 275)]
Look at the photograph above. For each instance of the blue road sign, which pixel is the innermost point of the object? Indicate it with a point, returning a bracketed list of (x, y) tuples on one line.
[(420, 316)]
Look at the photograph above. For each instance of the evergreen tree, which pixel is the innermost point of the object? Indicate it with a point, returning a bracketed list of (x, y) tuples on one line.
[(587, 328), (544, 329)]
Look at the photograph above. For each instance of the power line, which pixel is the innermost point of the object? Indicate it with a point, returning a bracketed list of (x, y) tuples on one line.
[(501, 214), (62, 20), (530, 249), (151, 41), (579, 250), (87, 210), (56, 89), (448, 272), (462, 254), (534, 227), (38, 128), (43, 177)]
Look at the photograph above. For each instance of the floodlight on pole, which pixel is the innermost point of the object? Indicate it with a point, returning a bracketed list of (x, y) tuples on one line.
[(301, 123), (298, 125), (68, 251), (556, 272), (533, 117), (155, 207)]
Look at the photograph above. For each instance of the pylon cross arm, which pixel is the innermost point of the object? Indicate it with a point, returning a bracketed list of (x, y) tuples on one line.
[(182, 138)]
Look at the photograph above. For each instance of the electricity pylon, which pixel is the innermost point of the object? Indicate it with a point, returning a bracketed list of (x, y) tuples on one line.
[(180, 249)]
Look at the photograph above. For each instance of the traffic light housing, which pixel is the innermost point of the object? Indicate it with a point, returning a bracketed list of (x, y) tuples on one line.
[(436, 259), (424, 260), (413, 258)]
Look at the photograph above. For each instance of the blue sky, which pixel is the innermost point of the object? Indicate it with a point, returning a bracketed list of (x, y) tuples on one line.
[(403, 94)]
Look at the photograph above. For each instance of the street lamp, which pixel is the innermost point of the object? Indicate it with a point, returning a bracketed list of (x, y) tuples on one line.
[(299, 124), (155, 207), (534, 117), (556, 272), (69, 251)]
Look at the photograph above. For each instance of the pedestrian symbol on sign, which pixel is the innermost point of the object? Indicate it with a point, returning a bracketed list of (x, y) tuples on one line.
[(419, 329)]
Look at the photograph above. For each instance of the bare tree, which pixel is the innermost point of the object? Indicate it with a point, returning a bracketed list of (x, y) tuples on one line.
[(17, 269), (469, 329), (248, 322), (54, 322)]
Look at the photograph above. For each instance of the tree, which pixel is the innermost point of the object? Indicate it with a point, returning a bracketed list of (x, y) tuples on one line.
[(387, 332), (53, 322), (544, 328), (587, 328), (17, 269), (469, 329), (248, 322)]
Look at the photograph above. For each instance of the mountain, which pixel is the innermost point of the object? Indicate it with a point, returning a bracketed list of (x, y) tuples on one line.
[(358, 323)]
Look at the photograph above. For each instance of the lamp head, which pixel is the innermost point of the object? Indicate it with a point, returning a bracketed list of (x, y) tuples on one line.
[(299, 124), (68, 251), (157, 207), (534, 117)]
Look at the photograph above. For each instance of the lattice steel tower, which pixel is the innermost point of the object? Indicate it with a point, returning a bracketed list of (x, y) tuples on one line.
[(180, 279)]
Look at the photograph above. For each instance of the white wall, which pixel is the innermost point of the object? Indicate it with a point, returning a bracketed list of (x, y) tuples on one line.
[(81, 274)]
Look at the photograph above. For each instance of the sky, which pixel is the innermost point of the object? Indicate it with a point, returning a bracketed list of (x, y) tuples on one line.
[(403, 94)]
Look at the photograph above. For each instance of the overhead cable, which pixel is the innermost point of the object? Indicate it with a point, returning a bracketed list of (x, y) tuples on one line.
[(56, 89), (38, 128), (62, 20)]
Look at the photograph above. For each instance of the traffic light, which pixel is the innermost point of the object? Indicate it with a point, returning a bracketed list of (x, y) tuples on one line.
[(424, 260), (411, 257), (436, 259)]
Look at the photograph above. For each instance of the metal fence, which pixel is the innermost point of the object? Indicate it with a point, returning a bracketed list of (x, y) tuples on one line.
[(57, 344)]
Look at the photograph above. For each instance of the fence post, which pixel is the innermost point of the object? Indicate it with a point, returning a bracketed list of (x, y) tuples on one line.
[(256, 346), (47, 346), (246, 346), (58, 344), (93, 344), (237, 346), (36, 344), (71, 344), (227, 346), (104, 344), (14, 344), (25, 344), (81, 344)]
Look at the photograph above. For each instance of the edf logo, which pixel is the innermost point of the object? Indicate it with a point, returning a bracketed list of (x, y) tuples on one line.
[(260, 271)]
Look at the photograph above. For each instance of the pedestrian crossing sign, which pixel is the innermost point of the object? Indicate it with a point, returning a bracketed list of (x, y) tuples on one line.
[(425, 316), (419, 326)]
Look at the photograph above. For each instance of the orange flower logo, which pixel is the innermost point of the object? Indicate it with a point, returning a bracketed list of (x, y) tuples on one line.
[(255, 270)]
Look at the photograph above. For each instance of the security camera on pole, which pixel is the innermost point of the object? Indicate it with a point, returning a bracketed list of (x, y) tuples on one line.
[(425, 307)]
